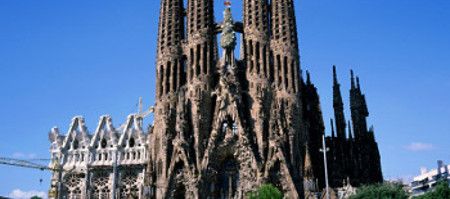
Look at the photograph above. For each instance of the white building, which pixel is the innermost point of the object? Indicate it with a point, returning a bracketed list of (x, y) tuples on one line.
[(427, 180), (111, 163)]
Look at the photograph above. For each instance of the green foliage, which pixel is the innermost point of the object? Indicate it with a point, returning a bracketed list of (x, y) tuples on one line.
[(35, 197), (381, 191), (266, 191), (442, 191)]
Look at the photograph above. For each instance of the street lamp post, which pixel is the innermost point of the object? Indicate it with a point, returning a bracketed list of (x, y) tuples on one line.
[(324, 150)]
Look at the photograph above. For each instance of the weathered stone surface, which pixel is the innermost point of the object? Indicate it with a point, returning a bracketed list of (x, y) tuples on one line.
[(224, 125)]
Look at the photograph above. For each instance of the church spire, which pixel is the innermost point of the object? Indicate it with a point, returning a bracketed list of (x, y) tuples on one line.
[(256, 39), (169, 81), (285, 45), (352, 79), (335, 80), (338, 106), (169, 54), (358, 108), (201, 45), (201, 49)]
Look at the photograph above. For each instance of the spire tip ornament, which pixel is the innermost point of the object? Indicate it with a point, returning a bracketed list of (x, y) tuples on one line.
[(227, 3)]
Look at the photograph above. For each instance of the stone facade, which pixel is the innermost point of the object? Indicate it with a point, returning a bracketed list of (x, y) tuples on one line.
[(229, 124), (222, 125), (111, 163)]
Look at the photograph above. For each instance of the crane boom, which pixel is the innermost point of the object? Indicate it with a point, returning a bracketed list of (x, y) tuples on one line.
[(24, 164)]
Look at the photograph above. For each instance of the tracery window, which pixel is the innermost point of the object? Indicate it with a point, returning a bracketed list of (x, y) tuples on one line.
[(129, 185), (224, 127), (73, 186), (101, 186), (235, 129)]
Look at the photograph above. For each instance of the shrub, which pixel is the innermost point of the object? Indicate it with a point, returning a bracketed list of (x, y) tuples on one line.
[(381, 191), (266, 191)]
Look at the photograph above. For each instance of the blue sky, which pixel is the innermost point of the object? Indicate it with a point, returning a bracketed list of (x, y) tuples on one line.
[(59, 59)]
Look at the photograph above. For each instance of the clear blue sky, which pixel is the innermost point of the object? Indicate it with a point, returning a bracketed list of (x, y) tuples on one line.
[(59, 59)]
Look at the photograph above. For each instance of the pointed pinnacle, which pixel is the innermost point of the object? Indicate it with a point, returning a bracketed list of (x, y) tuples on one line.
[(352, 78), (308, 78), (227, 3), (334, 75)]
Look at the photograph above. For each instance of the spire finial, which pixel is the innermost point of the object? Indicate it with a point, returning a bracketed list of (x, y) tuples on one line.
[(308, 78), (352, 78), (227, 3), (334, 75)]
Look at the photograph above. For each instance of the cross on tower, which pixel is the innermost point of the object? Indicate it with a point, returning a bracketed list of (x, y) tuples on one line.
[(227, 3)]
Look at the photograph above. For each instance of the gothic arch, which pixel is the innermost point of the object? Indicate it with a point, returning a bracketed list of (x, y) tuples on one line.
[(228, 181), (74, 185), (224, 177), (101, 185), (129, 186)]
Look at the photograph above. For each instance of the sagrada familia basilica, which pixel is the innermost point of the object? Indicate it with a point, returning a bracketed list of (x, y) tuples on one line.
[(223, 125)]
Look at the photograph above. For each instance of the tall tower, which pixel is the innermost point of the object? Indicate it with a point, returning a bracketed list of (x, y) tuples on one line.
[(170, 77), (338, 106), (284, 45), (314, 126), (338, 172), (201, 52), (286, 63), (368, 155), (358, 108), (259, 70), (286, 121)]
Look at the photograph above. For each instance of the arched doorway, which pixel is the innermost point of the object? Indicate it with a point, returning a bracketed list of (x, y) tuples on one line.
[(228, 178)]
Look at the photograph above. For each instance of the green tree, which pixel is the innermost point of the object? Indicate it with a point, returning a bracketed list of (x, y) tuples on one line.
[(381, 191), (442, 191), (35, 197), (266, 191)]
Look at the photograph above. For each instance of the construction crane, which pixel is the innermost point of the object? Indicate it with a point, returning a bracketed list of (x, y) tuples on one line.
[(55, 167), (143, 114), (25, 164)]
